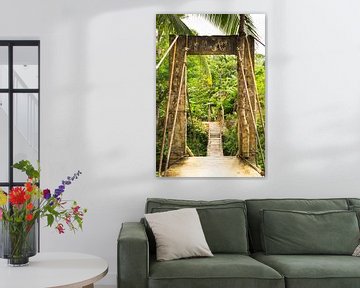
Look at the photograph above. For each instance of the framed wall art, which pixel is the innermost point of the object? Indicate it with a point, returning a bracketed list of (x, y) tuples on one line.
[(210, 95)]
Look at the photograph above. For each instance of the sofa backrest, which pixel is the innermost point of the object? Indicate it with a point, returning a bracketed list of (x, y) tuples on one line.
[(256, 205), (223, 221), (353, 202)]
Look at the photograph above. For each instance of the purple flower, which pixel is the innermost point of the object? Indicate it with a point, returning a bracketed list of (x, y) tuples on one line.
[(46, 194), (58, 192), (66, 182)]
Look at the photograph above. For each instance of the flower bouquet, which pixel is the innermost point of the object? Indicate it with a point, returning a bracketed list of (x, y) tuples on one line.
[(21, 208)]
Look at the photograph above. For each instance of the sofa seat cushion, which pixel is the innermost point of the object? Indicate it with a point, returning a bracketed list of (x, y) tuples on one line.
[(222, 270), (313, 271)]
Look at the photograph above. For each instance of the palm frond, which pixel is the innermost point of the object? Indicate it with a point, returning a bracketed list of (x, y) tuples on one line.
[(229, 23), (180, 28)]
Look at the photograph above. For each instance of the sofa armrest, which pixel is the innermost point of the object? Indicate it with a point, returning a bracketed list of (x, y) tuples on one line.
[(133, 256)]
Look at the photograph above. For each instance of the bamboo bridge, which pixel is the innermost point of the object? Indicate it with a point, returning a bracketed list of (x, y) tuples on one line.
[(175, 161)]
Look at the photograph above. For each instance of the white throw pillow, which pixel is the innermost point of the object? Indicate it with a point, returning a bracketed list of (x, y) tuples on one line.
[(178, 234)]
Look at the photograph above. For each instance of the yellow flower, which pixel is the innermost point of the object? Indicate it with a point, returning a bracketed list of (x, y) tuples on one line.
[(3, 198)]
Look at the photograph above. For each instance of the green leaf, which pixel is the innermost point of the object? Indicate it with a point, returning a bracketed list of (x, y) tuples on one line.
[(52, 211), (26, 167), (50, 219), (79, 221)]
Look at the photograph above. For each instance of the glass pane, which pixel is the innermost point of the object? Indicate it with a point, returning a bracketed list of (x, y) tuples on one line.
[(4, 67), (26, 130), (5, 189), (26, 67), (4, 137)]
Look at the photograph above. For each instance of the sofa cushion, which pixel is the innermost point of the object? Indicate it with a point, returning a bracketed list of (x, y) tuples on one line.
[(313, 271), (222, 270), (356, 209), (297, 232), (178, 234), (255, 206), (223, 221)]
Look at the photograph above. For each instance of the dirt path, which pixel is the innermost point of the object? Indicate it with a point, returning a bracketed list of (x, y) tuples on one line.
[(226, 166)]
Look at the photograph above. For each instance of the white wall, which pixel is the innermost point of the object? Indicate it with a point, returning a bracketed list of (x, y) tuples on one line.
[(98, 105)]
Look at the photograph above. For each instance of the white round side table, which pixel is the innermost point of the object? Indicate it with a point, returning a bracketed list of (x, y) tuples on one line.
[(50, 270)]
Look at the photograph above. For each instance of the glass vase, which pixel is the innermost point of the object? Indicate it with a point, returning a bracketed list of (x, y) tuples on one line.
[(18, 242)]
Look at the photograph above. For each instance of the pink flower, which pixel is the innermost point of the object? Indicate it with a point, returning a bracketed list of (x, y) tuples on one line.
[(1, 213), (76, 210), (60, 228), (68, 219)]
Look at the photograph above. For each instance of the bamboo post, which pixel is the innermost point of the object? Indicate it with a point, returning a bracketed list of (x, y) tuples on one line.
[(251, 108), (176, 111), (243, 124), (167, 110), (209, 112), (242, 24)]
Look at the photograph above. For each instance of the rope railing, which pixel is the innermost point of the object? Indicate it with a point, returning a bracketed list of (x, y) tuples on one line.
[(166, 53), (262, 120)]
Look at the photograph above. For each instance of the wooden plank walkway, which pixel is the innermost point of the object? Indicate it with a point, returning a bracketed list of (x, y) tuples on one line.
[(215, 164), (215, 148)]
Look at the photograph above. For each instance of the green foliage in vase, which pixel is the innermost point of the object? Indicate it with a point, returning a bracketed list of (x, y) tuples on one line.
[(28, 203)]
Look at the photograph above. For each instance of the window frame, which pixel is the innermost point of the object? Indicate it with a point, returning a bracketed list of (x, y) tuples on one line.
[(10, 91)]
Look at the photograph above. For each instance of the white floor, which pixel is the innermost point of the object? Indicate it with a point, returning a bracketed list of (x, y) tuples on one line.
[(104, 286)]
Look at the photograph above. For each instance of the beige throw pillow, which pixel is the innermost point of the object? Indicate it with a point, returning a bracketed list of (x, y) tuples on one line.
[(178, 234), (357, 251)]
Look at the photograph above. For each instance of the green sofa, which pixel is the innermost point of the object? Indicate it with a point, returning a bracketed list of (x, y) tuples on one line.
[(233, 230)]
